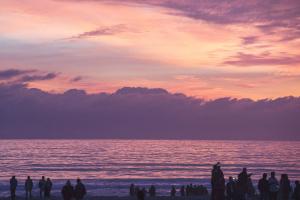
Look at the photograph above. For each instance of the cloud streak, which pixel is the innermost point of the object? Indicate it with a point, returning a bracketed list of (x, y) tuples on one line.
[(12, 73), (245, 59), (107, 30), (30, 78)]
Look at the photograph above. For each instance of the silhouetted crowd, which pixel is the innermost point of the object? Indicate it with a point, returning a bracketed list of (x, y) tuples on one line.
[(242, 188), (189, 190), (45, 185)]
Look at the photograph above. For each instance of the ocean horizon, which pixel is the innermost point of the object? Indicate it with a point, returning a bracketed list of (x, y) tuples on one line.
[(109, 166)]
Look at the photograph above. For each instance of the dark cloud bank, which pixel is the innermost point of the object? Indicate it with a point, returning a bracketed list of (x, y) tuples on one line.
[(143, 113)]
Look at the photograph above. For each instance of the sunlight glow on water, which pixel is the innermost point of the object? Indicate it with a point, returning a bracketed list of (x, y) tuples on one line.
[(163, 162)]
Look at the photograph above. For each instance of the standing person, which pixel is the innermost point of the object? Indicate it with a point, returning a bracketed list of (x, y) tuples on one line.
[(131, 190), (48, 187), (216, 174), (152, 191), (250, 188), (140, 194), (67, 191), (182, 192), (42, 184), (13, 187), (243, 182), (296, 193), (80, 190), (230, 189), (273, 187), (28, 187), (263, 187), (285, 187), (220, 189), (173, 191)]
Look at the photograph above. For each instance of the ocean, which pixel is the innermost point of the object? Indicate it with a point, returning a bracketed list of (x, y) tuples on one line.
[(108, 167)]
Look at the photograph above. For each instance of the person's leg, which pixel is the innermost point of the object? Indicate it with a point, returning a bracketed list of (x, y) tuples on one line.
[(265, 196), (13, 194), (275, 195)]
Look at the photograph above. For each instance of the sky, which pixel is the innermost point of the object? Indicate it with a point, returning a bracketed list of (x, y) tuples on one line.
[(157, 69), (205, 49)]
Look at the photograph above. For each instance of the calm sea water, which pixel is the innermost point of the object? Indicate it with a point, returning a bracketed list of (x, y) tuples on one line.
[(107, 167)]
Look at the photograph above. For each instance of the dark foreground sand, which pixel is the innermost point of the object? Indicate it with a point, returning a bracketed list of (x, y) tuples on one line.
[(119, 198), (123, 198)]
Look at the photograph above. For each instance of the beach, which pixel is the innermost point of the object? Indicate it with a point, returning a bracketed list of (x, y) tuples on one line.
[(120, 198)]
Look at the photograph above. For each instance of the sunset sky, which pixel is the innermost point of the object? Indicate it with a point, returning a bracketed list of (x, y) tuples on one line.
[(206, 49)]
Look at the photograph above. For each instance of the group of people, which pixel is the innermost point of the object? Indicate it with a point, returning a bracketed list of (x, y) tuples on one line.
[(193, 190), (45, 185), (189, 190), (78, 192), (236, 189), (141, 193), (242, 188)]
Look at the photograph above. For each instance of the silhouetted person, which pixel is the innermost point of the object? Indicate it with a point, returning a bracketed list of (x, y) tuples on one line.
[(230, 189), (28, 187), (136, 190), (250, 188), (67, 191), (173, 191), (48, 187), (182, 192), (140, 194), (42, 184), (285, 187), (219, 193), (80, 190), (131, 190), (263, 187), (273, 187), (187, 190), (152, 191), (13, 187), (296, 193), (243, 183), (216, 174)]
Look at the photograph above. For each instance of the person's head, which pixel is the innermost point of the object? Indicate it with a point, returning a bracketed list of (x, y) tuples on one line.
[(68, 182), (43, 177), (28, 177), (286, 176), (230, 178), (48, 179), (78, 180), (244, 169), (273, 174), (296, 182), (13, 177), (265, 175)]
